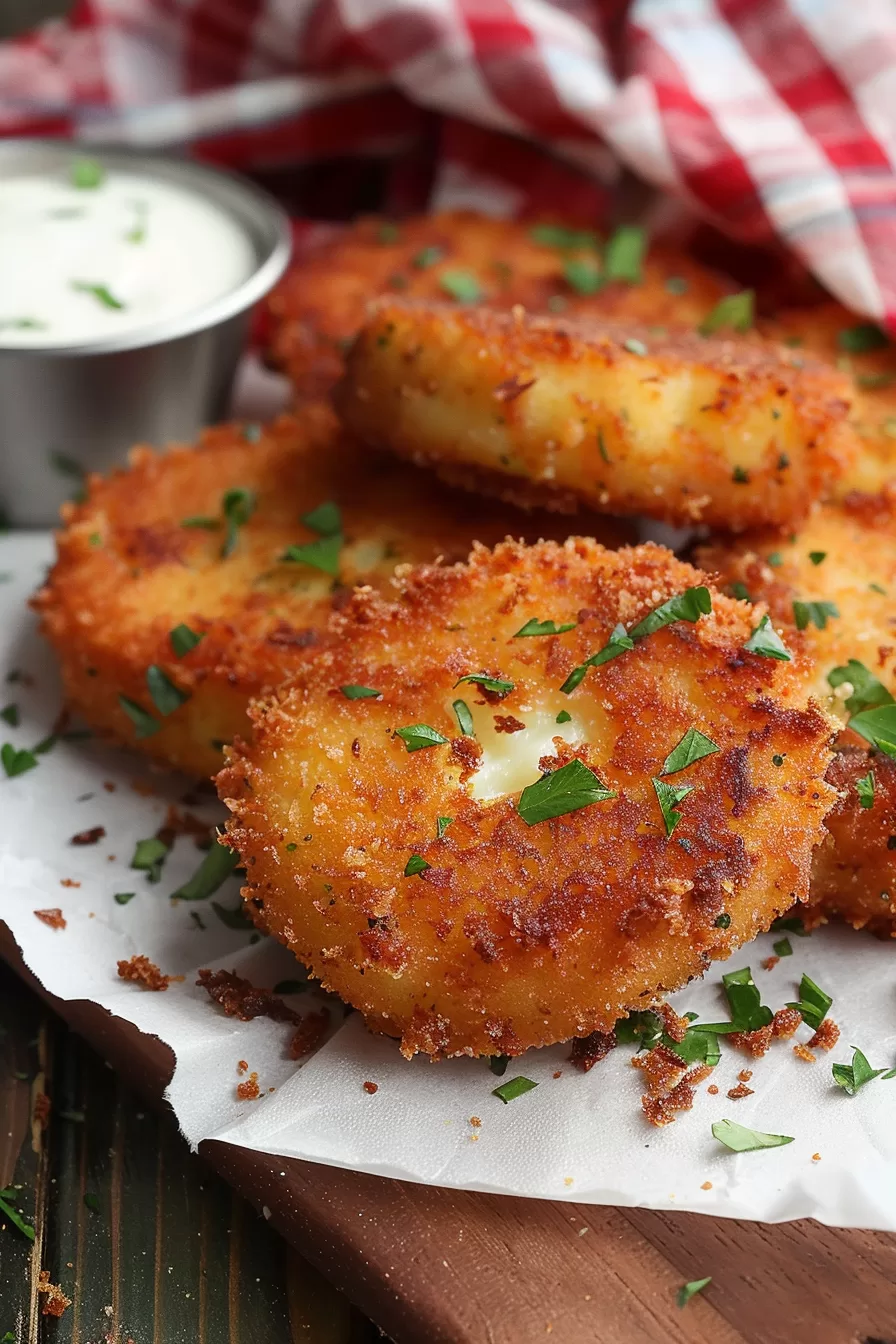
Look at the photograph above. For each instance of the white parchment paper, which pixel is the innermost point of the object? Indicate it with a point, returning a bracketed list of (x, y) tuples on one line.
[(576, 1136)]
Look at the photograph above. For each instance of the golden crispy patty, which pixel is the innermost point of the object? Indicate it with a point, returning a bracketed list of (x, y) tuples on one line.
[(318, 307), (838, 572), (830, 332), (680, 427), (480, 861), (144, 554)]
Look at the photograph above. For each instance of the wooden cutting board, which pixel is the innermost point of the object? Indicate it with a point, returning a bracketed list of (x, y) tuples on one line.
[(450, 1267)]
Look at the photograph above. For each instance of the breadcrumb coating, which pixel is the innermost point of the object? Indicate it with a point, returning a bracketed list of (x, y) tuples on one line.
[(844, 556), (560, 410), (318, 307), (133, 565), (407, 879)]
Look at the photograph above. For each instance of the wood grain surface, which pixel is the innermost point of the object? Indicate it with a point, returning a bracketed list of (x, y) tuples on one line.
[(145, 1239), (435, 1266)]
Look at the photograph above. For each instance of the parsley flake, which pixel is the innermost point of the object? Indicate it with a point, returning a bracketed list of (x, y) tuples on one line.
[(689, 1290), (461, 285), (102, 293), (740, 476), (427, 256), (865, 790), (692, 747), (415, 865), (734, 310), (723, 921), (164, 694), (877, 726), (813, 1003), (855, 1075), (742, 1140), (417, 736), (536, 627), (144, 723), (16, 761), (86, 174), (568, 789), (325, 520), (867, 691), (513, 1088), (149, 856), (8, 1211), (865, 336), (741, 592), (237, 506), (360, 692), (782, 948), (387, 233), (676, 284), (563, 717), (122, 897), (235, 918), (582, 276), (817, 556), (183, 639), (669, 796), (442, 824), (11, 715), (496, 685), (555, 235), (624, 254), (464, 718), (322, 554), (498, 1064), (213, 871), (815, 613), (687, 606), (766, 642)]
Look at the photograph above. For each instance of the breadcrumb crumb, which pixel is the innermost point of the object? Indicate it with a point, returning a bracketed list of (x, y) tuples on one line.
[(309, 1035), (141, 971), (769, 963), (707, 1185), (370, 1088), (590, 1050), (737, 1093), (249, 1090), (803, 1052), (239, 998), (56, 1301), (41, 1109), (826, 1037), (53, 918), (745, 1075), (68, 882), (242, 1066)]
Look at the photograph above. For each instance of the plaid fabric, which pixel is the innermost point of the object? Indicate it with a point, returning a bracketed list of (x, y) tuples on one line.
[(776, 119)]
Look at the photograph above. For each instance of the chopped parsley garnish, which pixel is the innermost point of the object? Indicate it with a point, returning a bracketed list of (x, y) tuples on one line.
[(669, 796), (687, 606), (563, 717), (461, 285), (582, 276), (766, 642), (624, 254), (352, 692), (692, 747), (734, 310), (252, 431), (865, 336), (742, 1140), (555, 235), (8, 1210), (878, 588), (536, 627), (855, 1075), (602, 447), (817, 556), (740, 591), (689, 1290), (149, 856), (387, 233), (865, 790), (237, 506), (86, 174), (813, 1003), (233, 919), (635, 347), (325, 520), (442, 824), (123, 897), (877, 726), (426, 257), (144, 723), (513, 1088), (164, 694), (740, 476), (322, 554), (867, 691), (102, 293), (776, 559), (67, 466), (498, 1064), (16, 761), (137, 232), (748, 1013), (782, 948), (723, 921), (213, 871), (676, 284), (11, 715), (183, 639), (815, 613), (22, 324), (568, 789), (789, 924), (494, 684), (416, 864), (417, 736), (464, 718)]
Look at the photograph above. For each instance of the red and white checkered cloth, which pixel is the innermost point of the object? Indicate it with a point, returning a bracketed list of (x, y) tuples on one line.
[(774, 118)]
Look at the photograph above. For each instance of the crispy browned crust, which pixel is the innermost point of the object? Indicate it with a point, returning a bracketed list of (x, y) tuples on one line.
[(516, 935), (318, 307), (128, 572), (677, 427), (855, 865), (817, 333)]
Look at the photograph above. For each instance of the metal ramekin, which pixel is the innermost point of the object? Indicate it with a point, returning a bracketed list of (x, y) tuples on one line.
[(90, 403)]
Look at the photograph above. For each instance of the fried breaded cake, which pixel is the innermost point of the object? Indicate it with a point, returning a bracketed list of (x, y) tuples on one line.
[(836, 580), (536, 791), (318, 307), (541, 409), (863, 354), (191, 580)]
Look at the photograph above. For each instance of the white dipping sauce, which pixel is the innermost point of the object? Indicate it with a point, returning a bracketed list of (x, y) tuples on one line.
[(79, 265)]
